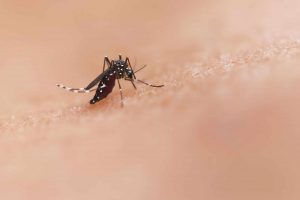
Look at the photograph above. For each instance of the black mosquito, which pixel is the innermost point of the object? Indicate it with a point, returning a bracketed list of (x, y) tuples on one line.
[(117, 69)]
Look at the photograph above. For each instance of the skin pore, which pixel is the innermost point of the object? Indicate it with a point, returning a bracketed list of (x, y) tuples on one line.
[(225, 126)]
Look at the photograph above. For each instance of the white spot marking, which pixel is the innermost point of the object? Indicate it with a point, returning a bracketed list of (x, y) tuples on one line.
[(103, 86)]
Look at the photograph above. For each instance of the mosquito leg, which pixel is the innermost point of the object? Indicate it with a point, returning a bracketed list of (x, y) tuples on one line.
[(106, 60), (121, 93), (149, 84), (140, 81), (140, 69), (132, 82), (100, 76), (120, 57), (76, 90)]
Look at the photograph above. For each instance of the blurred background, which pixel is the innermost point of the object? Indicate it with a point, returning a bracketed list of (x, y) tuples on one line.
[(225, 126), (45, 42)]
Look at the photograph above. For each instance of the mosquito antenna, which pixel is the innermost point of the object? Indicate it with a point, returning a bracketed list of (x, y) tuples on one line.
[(140, 68), (149, 84)]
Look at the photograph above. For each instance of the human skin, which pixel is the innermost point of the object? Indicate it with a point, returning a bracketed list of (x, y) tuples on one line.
[(225, 126)]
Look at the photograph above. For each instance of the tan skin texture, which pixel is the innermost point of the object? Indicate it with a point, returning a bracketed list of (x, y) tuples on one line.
[(225, 126)]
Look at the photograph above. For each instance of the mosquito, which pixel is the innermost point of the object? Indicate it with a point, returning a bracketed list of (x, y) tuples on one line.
[(116, 69)]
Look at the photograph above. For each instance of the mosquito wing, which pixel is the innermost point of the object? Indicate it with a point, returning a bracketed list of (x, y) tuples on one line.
[(95, 82)]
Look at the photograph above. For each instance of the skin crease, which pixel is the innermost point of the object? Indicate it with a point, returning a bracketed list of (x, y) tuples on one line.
[(225, 126)]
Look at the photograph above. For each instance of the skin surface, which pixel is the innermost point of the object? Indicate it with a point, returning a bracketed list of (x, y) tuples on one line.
[(225, 126)]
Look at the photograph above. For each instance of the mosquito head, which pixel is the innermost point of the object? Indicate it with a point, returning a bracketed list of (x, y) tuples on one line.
[(130, 73)]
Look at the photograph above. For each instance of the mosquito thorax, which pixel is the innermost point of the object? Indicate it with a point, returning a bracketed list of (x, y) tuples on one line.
[(119, 67)]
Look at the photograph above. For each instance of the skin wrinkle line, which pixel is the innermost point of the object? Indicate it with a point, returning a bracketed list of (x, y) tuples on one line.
[(250, 57)]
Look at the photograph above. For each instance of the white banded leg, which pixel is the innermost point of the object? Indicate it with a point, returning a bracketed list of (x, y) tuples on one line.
[(76, 90)]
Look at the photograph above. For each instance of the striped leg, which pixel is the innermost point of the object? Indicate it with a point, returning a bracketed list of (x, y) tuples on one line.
[(76, 90)]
